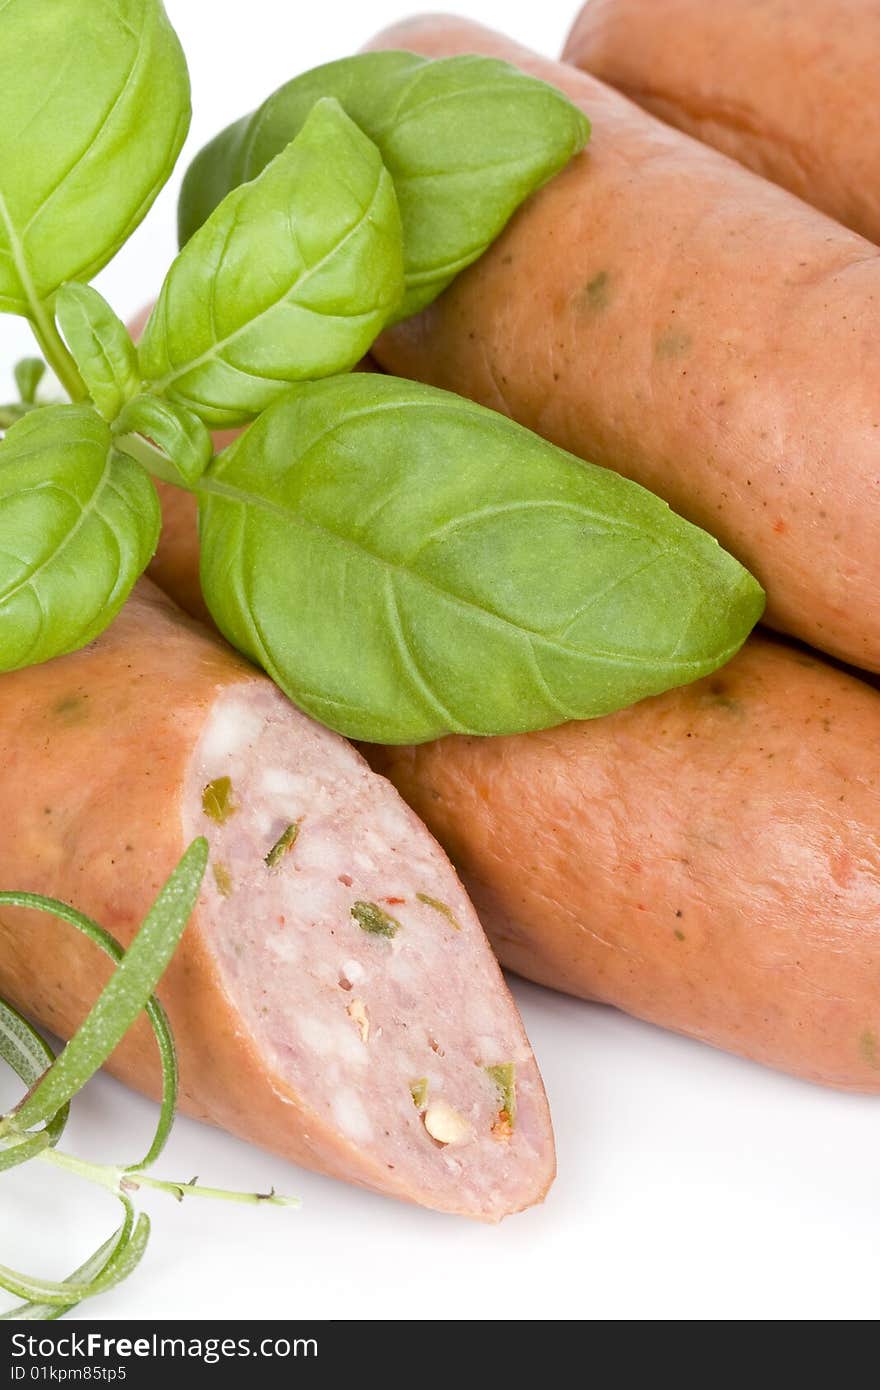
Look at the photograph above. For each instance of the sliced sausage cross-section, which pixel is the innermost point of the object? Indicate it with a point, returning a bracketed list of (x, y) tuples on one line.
[(334, 998)]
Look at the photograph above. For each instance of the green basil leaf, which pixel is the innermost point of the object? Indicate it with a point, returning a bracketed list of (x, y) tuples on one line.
[(153, 1009), (29, 373), (293, 276), (94, 107), (15, 410), (406, 564), (465, 139), (125, 994), (180, 435), (101, 347), (78, 525)]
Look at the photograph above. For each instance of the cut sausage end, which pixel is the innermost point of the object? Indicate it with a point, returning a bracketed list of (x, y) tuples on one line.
[(353, 959)]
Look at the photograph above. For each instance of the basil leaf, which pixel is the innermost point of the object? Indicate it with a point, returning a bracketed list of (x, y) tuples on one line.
[(466, 140), (16, 410), (293, 276), (78, 524), (94, 107), (29, 372), (126, 992), (405, 563), (101, 347), (180, 435)]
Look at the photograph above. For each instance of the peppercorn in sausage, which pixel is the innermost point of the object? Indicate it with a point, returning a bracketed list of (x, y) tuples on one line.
[(333, 998)]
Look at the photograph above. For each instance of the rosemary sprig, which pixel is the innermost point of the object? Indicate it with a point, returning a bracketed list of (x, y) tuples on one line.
[(32, 1129)]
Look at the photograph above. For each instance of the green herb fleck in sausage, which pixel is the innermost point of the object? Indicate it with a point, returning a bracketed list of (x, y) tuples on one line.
[(223, 879), (504, 1076), (282, 845), (869, 1049), (217, 800), (441, 907), (371, 918)]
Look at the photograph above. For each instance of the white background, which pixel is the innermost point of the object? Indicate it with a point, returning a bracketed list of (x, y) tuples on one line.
[(691, 1185)]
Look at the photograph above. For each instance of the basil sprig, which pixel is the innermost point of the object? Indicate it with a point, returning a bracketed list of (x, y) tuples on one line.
[(465, 139), (403, 563), (292, 276), (476, 579), (34, 1127)]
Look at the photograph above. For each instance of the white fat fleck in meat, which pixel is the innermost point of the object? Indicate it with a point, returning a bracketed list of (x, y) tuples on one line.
[(353, 971), (277, 782), (351, 1116), (394, 823), (489, 1050), (233, 727), (481, 1019), (373, 843), (285, 947), (312, 897), (332, 1037), (346, 1018), (328, 856), (266, 825), (401, 967)]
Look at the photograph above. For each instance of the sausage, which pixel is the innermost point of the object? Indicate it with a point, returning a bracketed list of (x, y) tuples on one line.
[(788, 87), (658, 309), (337, 1004), (708, 860), (175, 565)]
